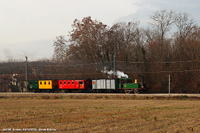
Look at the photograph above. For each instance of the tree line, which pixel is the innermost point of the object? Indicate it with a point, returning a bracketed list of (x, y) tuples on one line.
[(169, 45)]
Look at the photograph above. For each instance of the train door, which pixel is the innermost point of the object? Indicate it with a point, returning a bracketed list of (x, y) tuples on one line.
[(81, 84), (68, 84), (121, 83), (73, 84), (77, 84)]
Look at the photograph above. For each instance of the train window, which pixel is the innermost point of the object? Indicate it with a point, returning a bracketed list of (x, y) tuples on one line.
[(68, 83), (72, 82), (129, 81), (40, 83), (44, 83), (49, 82), (60, 82), (64, 82), (80, 82)]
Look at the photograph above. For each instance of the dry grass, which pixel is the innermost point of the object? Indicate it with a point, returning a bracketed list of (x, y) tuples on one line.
[(100, 115), (99, 96)]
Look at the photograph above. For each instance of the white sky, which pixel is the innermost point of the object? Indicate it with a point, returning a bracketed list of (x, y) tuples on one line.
[(29, 27)]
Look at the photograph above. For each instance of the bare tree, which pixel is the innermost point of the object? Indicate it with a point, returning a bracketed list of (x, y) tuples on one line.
[(60, 49), (162, 21), (184, 24)]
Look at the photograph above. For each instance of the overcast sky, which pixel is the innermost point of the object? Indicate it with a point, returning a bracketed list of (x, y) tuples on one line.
[(29, 27)]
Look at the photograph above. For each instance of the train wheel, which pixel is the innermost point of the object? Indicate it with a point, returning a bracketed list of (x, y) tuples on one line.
[(62, 91), (136, 91), (127, 91)]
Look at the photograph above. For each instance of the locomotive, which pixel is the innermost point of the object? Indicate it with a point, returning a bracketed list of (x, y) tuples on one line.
[(88, 86)]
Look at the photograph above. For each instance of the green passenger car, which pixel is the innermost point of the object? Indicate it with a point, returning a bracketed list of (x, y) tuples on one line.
[(33, 85)]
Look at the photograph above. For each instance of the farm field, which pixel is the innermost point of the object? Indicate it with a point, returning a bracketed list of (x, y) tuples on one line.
[(100, 115)]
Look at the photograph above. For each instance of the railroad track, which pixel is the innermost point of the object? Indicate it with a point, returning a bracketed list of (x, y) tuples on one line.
[(10, 94)]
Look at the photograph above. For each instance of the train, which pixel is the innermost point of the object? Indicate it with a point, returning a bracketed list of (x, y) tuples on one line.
[(118, 85)]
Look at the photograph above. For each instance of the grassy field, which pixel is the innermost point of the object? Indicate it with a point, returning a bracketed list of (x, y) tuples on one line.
[(100, 115)]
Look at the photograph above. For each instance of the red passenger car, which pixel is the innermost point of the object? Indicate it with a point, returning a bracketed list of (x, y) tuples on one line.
[(71, 84)]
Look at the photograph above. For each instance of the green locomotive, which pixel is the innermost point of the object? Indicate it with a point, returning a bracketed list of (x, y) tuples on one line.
[(128, 86)]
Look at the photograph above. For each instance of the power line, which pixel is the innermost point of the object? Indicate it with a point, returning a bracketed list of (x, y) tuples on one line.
[(181, 71), (12, 66), (63, 65), (166, 62), (177, 71), (88, 64)]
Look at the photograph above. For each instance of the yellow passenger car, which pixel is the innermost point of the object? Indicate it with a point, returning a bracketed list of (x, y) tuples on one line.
[(45, 84)]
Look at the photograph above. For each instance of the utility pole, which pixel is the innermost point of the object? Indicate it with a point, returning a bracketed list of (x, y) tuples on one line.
[(114, 66), (169, 84), (26, 72)]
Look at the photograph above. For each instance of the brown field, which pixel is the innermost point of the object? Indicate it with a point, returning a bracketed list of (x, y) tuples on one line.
[(100, 115)]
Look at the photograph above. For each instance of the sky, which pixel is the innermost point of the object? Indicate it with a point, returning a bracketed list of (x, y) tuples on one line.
[(29, 27)]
